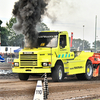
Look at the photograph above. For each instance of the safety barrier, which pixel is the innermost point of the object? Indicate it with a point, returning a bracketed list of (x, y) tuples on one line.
[(41, 93), (10, 60)]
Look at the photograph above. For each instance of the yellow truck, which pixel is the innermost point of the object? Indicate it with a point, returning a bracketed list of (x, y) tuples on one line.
[(52, 55)]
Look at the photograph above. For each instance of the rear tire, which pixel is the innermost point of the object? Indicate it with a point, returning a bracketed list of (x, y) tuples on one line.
[(88, 73), (23, 76), (58, 72)]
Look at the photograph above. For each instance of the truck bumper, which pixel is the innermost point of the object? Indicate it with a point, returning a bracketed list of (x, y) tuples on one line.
[(31, 70)]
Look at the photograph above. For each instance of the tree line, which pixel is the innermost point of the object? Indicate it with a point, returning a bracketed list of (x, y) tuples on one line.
[(10, 38)]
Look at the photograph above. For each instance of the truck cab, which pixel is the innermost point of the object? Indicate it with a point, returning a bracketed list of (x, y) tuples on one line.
[(52, 55)]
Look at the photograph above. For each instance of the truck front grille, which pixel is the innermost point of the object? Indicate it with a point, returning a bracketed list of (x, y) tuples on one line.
[(28, 63), (28, 57), (28, 60)]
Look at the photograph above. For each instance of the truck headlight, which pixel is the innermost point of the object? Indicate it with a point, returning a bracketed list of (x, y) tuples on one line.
[(46, 64), (16, 64)]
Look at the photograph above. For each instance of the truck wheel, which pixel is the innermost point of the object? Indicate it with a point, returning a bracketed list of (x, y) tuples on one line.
[(89, 71), (58, 72), (88, 74), (23, 76)]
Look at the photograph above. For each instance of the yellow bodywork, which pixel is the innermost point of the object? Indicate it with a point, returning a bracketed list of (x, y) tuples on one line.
[(78, 65), (73, 64)]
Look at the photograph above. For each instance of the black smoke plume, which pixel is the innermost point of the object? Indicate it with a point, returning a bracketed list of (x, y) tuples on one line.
[(28, 14)]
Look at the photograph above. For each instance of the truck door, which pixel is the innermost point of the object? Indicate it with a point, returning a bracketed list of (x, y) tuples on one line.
[(63, 47)]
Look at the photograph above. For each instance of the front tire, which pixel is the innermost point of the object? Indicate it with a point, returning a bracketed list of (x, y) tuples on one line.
[(23, 76), (58, 72)]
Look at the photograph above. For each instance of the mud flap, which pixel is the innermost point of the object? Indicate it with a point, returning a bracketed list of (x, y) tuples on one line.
[(96, 71)]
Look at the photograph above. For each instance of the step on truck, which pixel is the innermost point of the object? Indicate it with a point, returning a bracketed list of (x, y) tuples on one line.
[(53, 56)]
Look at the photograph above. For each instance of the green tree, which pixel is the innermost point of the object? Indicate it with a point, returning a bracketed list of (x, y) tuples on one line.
[(14, 39), (9, 26), (17, 39), (0, 22), (78, 44), (4, 35), (42, 27), (86, 45), (97, 45)]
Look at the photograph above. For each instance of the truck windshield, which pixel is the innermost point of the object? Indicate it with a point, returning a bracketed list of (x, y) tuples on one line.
[(47, 40)]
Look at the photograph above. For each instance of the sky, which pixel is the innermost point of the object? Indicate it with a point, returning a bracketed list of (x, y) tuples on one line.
[(65, 15)]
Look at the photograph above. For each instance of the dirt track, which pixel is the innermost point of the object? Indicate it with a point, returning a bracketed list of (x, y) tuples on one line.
[(11, 88), (14, 89)]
